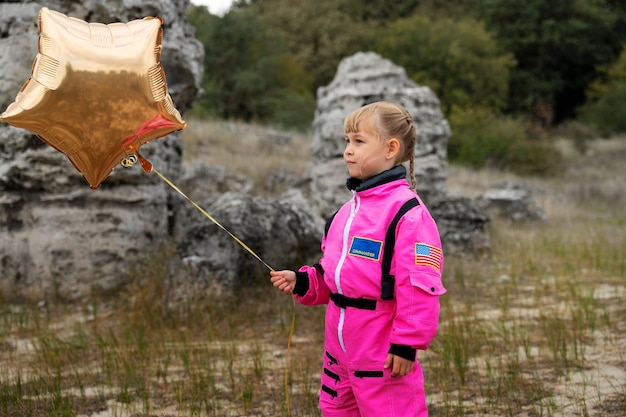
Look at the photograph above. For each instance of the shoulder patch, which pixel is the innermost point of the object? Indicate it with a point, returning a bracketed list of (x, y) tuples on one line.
[(428, 255), (365, 248)]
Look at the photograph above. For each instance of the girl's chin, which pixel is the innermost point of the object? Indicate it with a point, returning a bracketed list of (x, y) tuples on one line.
[(354, 173)]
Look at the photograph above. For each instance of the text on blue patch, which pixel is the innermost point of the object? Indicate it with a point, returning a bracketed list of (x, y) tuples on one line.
[(366, 248)]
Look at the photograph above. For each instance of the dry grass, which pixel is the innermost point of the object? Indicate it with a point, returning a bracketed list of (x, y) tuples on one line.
[(537, 328), (252, 150), (543, 315)]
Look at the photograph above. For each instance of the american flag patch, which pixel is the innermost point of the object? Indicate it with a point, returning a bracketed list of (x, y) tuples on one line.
[(428, 255)]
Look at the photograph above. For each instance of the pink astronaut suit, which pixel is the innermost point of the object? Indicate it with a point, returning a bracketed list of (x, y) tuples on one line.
[(361, 327)]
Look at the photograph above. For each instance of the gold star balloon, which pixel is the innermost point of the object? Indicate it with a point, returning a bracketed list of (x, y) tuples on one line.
[(97, 92)]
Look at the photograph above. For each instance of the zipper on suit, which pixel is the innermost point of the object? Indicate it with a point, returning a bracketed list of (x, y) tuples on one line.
[(354, 208)]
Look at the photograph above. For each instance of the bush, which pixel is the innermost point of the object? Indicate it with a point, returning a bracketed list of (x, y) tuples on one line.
[(605, 110), (293, 110), (607, 115), (482, 138), (578, 133), (531, 157)]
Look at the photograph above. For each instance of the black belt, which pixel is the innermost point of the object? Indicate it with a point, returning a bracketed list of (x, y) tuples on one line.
[(362, 303)]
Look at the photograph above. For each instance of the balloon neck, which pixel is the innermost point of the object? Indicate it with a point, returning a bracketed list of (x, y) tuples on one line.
[(145, 164)]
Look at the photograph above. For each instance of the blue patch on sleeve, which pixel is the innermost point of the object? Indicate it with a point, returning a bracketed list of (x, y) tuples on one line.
[(366, 248)]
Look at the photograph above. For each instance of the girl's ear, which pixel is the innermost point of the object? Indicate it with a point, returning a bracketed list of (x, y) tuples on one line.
[(393, 147)]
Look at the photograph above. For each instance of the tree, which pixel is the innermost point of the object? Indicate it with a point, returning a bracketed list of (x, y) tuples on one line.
[(377, 11), (248, 73), (206, 26), (455, 10), (606, 110), (316, 33), (459, 60), (558, 46)]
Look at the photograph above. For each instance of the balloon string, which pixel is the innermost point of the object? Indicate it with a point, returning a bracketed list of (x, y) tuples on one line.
[(243, 245), (246, 247), (288, 361)]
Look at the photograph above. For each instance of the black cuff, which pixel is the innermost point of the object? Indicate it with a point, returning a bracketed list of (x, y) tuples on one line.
[(302, 284), (405, 352)]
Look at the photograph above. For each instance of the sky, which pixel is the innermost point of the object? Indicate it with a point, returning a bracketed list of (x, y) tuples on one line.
[(217, 7)]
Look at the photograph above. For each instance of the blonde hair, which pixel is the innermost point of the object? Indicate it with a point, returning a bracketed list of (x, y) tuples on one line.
[(391, 121)]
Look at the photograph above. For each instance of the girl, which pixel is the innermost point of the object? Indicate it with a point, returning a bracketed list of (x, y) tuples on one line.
[(376, 319)]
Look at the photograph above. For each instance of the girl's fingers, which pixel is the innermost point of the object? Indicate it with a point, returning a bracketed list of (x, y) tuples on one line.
[(281, 280)]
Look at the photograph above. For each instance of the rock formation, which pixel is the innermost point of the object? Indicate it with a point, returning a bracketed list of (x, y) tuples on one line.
[(281, 232), (511, 201)]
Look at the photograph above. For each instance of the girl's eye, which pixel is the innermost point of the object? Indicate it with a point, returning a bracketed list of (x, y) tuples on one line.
[(356, 140)]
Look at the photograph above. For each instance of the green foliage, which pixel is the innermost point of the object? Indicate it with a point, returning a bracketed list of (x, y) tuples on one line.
[(377, 11), (246, 70), (558, 46), (533, 157), (481, 137), (615, 76), (608, 114), (459, 60), (293, 110), (316, 33), (606, 111), (456, 10)]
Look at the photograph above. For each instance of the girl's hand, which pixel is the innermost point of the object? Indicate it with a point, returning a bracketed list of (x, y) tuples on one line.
[(399, 366), (283, 280)]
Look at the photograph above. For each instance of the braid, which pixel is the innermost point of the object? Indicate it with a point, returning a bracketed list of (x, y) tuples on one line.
[(410, 137), (412, 171)]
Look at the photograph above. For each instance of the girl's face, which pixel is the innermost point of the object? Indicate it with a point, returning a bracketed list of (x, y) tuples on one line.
[(366, 154)]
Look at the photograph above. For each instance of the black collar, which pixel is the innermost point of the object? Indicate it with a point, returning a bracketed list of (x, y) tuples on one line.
[(396, 173)]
